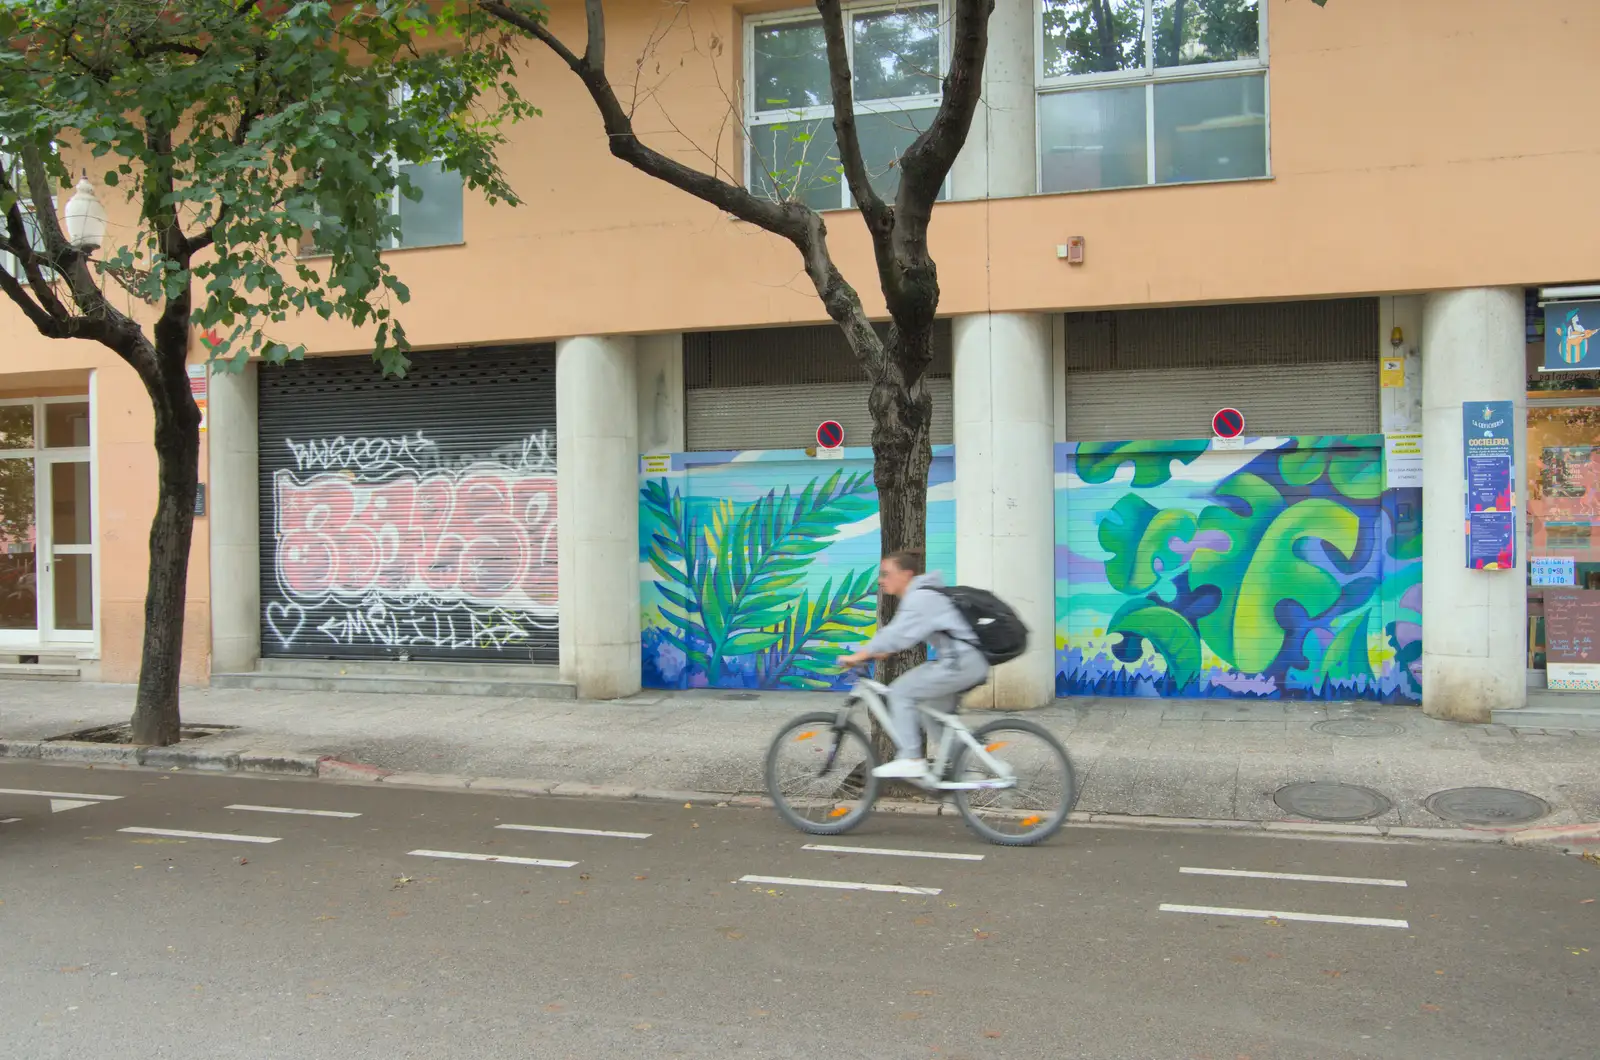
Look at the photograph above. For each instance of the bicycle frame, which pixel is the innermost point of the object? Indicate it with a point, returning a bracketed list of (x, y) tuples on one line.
[(952, 730)]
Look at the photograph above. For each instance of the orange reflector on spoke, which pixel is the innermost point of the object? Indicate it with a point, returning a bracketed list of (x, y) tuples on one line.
[(805, 735), (997, 745), (1030, 821), (839, 811)]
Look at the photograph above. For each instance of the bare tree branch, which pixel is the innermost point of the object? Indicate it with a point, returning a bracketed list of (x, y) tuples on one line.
[(794, 221), (879, 217)]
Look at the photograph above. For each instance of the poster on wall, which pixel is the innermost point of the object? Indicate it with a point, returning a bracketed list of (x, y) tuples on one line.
[(1552, 570), (1487, 457), (1569, 328), (1402, 460)]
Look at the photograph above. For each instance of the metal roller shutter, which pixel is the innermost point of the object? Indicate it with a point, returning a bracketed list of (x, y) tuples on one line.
[(1290, 367), (1179, 402), (786, 417), (410, 518), (769, 388)]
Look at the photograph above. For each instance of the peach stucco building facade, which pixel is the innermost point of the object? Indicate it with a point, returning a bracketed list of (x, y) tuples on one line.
[(1431, 155)]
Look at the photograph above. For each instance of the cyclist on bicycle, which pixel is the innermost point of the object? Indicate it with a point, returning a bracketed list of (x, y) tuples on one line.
[(927, 615)]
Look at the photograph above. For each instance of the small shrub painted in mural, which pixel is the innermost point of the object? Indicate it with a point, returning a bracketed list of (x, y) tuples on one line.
[(728, 585), (1281, 569)]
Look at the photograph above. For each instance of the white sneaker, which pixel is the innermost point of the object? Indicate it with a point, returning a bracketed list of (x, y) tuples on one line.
[(903, 769)]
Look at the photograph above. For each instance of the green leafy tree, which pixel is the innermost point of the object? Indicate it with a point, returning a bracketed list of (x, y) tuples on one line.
[(235, 129)]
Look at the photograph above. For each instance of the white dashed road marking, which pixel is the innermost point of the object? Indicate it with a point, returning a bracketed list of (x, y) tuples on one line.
[(502, 858), (288, 809), (1274, 914), (177, 833), (57, 805), (839, 885), (574, 831), (59, 794), (829, 848), (1301, 877)]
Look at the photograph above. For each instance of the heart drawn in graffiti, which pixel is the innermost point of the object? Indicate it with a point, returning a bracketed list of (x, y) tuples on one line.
[(278, 616)]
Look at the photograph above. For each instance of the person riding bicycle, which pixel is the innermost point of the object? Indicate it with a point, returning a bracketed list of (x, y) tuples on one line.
[(924, 614)]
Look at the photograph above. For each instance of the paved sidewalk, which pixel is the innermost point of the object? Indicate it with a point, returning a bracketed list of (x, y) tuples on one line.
[(1211, 759)]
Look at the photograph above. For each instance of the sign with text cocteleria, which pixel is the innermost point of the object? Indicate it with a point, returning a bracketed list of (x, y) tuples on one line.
[(1491, 496)]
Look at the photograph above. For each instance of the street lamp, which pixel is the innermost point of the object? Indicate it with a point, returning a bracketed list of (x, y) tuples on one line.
[(86, 217)]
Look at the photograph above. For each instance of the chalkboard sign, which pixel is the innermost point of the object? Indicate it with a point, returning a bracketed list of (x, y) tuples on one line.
[(1572, 626)]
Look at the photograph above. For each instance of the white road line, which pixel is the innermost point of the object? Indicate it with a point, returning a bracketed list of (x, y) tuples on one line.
[(839, 885), (1272, 914), (829, 848), (290, 809), (1303, 877), (574, 831), (178, 833), (10, 820), (59, 794), (505, 858)]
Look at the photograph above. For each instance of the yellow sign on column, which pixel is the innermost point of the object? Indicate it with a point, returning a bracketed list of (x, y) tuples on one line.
[(1394, 372)]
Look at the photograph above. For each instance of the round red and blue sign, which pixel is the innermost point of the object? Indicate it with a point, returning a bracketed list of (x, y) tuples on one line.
[(1228, 423), (830, 434)]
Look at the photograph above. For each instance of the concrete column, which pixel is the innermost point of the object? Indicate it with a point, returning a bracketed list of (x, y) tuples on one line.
[(661, 393), (997, 160), (233, 507), (1005, 499), (597, 499), (1473, 622)]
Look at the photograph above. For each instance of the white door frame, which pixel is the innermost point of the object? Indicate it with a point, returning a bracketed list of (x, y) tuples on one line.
[(44, 634)]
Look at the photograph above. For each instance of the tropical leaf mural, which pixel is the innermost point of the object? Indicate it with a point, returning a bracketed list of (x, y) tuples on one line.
[(759, 588), (1281, 570)]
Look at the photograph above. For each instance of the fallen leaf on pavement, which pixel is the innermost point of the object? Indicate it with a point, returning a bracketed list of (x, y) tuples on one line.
[(73, 968), (1587, 901), (583, 875), (922, 993), (992, 1034), (1432, 1008), (1239, 958), (554, 1007), (1332, 973), (908, 1016), (641, 877), (641, 1026)]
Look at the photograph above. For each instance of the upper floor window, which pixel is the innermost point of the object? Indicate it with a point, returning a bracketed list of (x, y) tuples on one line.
[(432, 220), (897, 65), (1138, 92)]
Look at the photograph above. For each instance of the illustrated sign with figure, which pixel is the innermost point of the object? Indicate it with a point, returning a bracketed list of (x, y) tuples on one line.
[(1569, 332)]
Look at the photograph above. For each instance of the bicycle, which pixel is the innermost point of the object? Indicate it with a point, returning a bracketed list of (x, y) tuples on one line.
[(835, 760)]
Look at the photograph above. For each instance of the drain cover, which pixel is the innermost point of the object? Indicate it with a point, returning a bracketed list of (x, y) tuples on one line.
[(1321, 800), (741, 696), (1486, 806), (1357, 728)]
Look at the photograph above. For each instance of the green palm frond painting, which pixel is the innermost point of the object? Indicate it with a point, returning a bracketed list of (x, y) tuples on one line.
[(729, 579)]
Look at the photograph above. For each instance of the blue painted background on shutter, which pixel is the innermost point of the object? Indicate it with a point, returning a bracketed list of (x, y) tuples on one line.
[(759, 568)]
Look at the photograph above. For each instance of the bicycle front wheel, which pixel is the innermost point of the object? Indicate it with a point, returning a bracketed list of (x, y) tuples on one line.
[(819, 774), (1036, 807)]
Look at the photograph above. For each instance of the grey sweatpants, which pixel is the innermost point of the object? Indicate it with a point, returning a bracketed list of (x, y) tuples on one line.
[(938, 684)]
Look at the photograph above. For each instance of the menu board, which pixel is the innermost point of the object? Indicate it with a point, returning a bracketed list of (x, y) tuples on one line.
[(1572, 626)]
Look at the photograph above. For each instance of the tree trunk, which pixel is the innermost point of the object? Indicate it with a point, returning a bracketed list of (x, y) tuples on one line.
[(901, 456), (155, 713)]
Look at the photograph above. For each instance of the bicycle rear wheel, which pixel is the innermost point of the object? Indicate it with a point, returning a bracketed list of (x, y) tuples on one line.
[(1037, 806), (819, 774)]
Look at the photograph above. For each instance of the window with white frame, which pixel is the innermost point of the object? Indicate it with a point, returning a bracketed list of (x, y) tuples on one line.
[(30, 220), (434, 219), (897, 61), (1135, 92)]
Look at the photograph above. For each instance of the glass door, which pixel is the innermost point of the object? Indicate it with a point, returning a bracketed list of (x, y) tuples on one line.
[(47, 560)]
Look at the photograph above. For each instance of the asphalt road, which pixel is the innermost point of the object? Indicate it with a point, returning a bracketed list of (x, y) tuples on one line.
[(337, 939)]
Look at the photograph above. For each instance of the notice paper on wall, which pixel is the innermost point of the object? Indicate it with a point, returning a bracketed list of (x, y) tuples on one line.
[(1402, 460), (1488, 461), (1552, 570)]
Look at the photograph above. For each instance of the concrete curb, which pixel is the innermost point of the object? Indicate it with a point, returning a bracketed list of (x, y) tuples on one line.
[(1568, 839)]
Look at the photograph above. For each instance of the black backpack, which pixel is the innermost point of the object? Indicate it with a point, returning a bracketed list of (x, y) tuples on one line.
[(1000, 634)]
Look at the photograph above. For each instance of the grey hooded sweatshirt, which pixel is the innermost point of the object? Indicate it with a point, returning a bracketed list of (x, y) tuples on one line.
[(928, 616)]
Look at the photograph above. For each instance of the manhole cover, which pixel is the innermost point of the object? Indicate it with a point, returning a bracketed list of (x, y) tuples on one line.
[(1486, 806), (1357, 728), (1321, 800), (741, 696)]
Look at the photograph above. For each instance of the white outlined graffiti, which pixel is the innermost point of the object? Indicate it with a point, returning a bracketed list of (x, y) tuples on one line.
[(385, 543)]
